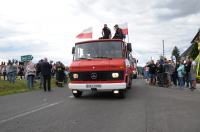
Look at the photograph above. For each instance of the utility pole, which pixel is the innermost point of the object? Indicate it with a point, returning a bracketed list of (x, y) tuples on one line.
[(163, 48)]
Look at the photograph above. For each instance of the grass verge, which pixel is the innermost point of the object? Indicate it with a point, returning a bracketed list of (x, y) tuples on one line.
[(19, 86)]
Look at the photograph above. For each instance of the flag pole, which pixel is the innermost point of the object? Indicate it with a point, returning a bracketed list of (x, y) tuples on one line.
[(128, 38), (128, 33)]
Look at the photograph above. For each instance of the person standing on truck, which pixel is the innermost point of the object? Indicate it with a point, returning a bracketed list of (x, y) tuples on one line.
[(118, 33), (106, 33)]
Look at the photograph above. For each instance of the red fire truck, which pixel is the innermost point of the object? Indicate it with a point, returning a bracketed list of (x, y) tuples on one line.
[(101, 65)]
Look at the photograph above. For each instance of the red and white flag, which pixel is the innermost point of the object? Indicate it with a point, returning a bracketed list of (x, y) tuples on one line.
[(124, 28), (87, 33)]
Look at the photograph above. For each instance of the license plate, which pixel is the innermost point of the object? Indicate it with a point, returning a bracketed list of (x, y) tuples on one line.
[(93, 86)]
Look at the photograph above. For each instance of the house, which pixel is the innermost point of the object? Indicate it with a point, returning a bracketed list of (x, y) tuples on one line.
[(187, 52), (197, 40)]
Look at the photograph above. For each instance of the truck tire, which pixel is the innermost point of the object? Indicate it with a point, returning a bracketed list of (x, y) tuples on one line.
[(129, 84), (122, 94), (77, 95), (134, 76)]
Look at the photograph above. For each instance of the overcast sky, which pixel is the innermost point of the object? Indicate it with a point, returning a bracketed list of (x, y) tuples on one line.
[(47, 28)]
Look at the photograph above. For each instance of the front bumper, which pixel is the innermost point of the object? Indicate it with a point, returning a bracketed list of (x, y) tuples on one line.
[(98, 86)]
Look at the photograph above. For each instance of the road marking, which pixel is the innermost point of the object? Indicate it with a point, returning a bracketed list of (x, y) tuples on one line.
[(35, 107), (30, 112), (29, 109), (44, 100), (71, 96)]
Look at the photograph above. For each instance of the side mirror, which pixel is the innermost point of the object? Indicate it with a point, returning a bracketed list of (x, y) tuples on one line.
[(129, 47), (73, 50)]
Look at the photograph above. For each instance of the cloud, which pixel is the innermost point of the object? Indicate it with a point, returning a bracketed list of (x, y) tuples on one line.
[(6, 32), (48, 28), (170, 9)]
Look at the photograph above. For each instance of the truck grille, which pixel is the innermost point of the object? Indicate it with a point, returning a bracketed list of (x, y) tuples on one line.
[(96, 76)]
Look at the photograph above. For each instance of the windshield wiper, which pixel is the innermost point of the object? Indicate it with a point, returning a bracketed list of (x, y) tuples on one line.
[(103, 57), (83, 58)]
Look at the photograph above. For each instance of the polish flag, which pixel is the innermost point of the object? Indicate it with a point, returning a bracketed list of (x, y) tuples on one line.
[(124, 28), (87, 33)]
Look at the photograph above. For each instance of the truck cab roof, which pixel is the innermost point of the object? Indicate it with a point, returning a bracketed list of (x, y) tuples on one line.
[(100, 40)]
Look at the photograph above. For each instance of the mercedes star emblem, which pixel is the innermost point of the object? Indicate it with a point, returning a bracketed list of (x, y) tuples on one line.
[(93, 76)]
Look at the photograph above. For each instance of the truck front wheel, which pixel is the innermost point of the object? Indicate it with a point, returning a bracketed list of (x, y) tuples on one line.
[(121, 94), (129, 84), (77, 93)]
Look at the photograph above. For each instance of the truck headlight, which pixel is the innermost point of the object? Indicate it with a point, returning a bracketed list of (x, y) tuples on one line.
[(115, 75), (75, 75)]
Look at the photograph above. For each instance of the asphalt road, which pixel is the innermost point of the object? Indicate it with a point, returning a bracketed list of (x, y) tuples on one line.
[(145, 109)]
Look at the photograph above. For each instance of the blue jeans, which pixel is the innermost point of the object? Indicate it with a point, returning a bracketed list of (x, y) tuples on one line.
[(8, 76), (175, 79), (12, 77), (30, 79), (181, 81), (145, 75)]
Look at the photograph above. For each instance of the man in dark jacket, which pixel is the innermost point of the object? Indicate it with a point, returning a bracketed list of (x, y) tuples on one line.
[(106, 33), (187, 72), (160, 71), (60, 75), (167, 77), (118, 33), (175, 74), (46, 73), (38, 73), (152, 72)]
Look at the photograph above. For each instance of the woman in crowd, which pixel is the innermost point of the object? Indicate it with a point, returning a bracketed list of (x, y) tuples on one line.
[(11, 70), (3, 70), (30, 74), (60, 68), (146, 73), (66, 75), (193, 75), (21, 71), (181, 72)]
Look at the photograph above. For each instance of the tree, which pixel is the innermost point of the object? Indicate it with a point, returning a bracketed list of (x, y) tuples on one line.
[(194, 52), (176, 53)]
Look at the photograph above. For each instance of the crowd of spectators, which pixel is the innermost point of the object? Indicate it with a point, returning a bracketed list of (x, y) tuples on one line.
[(166, 73), (42, 71)]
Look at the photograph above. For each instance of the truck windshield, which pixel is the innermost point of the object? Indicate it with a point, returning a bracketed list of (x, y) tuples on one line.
[(98, 50)]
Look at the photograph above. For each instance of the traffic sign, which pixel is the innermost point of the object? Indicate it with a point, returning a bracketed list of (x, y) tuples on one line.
[(26, 58)]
